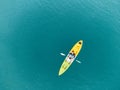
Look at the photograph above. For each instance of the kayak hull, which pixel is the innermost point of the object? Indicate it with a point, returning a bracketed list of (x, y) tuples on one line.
[(69, 60)]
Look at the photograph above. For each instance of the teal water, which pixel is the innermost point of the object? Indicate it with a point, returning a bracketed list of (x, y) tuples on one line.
[(34, 32)]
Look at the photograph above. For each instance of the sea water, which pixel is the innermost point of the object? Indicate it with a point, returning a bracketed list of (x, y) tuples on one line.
[(34, 32)]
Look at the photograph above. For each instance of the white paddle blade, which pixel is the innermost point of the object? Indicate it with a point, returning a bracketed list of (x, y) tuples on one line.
[(62, 54), (78, 61)]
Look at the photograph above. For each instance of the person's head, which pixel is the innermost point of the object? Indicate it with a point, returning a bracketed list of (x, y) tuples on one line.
[(74, 54)]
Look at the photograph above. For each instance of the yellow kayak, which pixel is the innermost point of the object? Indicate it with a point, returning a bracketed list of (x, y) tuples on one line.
[(70, 57)]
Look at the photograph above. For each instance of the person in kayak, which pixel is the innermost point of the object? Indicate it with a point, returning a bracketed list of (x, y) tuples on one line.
[(71, 57)]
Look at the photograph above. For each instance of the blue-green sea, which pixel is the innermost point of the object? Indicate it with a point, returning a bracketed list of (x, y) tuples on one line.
[(33, 33)]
